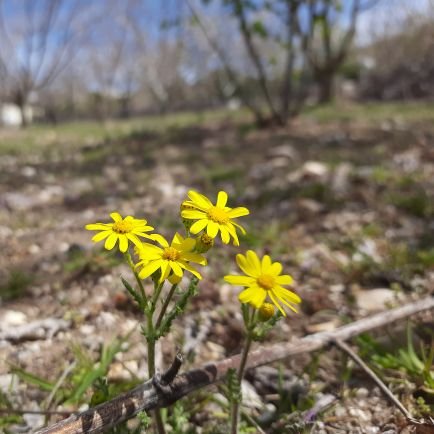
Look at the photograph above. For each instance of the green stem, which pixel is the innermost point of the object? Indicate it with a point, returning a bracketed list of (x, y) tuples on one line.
[(138, 280), (157, 292), (151, 340), (165, 305), (235, 408)]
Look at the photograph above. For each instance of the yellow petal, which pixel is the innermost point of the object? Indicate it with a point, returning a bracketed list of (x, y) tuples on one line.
[(111, 241), (246, 267), (158, 238), (165, 270), (123, 243), (212, 229), (176, 268), (238, 212), (134, 239), (286, 295), (231, 229), (177, 238), (194, 257), (285, 279), (253, 260), (191, 269), (253, 295), (237, 225), (266, 263), (240, 280), (222, 198), (100, 236), (187, 245), (150, 268), (199, 199), (225, 235), (198, 226), (99, 226), (192, 214), (275, 269), (276, 303), (116, 216)]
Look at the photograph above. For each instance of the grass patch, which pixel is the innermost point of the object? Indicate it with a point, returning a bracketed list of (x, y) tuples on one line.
[(73, 135), (16, 285), (373, 112)]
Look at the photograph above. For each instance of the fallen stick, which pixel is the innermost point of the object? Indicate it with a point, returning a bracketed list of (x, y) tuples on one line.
[(170, 388), (386, 391)]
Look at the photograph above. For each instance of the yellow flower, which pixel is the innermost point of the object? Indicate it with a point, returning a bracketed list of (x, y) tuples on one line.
[(214, 218), (124, 230), (169, 259), (263, 278)]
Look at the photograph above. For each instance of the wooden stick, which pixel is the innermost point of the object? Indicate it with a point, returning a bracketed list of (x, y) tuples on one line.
[(393, 399), (151, 395)]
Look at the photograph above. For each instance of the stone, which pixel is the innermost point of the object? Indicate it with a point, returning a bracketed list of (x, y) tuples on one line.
[(286, 151), (372, 300), (341, 179), (12, 318), (251, 398)]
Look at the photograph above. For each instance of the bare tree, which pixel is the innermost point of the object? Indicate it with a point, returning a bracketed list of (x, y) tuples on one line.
[(333, 36), (38, 41), (313, 36)]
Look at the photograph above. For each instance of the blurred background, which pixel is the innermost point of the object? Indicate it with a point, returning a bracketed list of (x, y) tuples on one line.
[(66, 60), (317, 115)]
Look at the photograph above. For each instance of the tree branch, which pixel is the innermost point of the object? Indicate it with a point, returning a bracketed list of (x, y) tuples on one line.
[(231, 74), (239, 12)]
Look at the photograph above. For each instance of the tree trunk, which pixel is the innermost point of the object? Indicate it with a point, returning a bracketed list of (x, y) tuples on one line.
[(326, 88), (22, 106)]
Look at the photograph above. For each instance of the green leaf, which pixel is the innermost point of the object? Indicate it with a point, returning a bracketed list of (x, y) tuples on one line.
[(32, 379), (259, 29), (132, 292)]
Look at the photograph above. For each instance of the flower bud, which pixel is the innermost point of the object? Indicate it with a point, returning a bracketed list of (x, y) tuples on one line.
[(266, 311), (203, 243)]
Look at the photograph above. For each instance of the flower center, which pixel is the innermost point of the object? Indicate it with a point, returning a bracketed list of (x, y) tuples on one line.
[(265, 281), (122, 227), (171, 254), (217, 215)]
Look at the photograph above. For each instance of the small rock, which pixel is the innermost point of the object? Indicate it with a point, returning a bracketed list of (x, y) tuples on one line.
[(250, 396), (362, 393), (8, 382), (310, 206), (311, 170), (360, 415), (341, 177), (286, 151), (28, 171), (340, 412), (34, 249), (19, 201), (373, 300), (12, 318)]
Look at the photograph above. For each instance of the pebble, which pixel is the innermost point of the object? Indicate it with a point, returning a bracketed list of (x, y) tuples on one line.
[(11, 318), (373, 300), (34, 249), (362, 393)]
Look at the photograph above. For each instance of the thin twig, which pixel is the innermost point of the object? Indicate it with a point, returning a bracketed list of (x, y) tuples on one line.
[(148, 397), (344, 347), (45, 412), (59, 382)]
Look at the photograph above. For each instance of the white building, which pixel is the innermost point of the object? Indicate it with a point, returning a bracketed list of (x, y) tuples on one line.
[(10, 115)]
